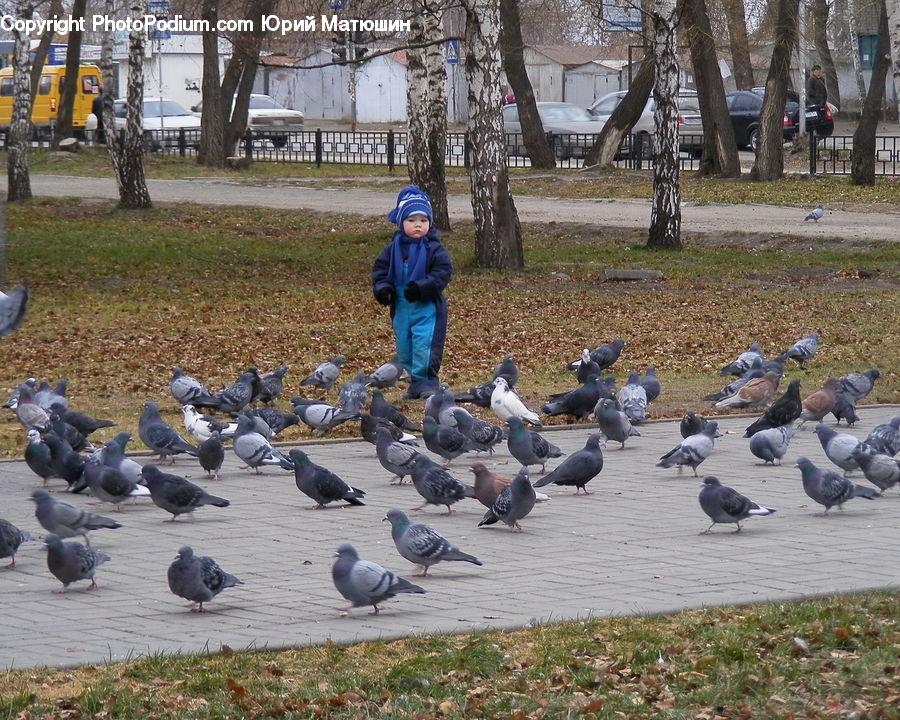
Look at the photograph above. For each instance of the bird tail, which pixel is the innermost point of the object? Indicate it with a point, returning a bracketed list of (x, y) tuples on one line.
[(546, 480), (468, 491), (552, 409), (460, 555), (206, 402), (713, 397), (865, 492), (98, 521), (353, 500), (285, 464), (734, 401), (755, 427), (532, 419), (405, 586), (464, 397), (541, 497), (139, 491), (489, 519), (761, 511), (217, 501)]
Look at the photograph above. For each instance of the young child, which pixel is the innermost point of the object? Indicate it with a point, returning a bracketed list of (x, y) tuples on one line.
[(410, 275)]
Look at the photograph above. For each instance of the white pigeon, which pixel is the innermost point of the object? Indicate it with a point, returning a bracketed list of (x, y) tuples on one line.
[(506, 404), (200, 426), (816, 213)]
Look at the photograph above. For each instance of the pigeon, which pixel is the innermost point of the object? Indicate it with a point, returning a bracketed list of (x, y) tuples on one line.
[(189, 391), (254, 449), (586, 367), (13, 399), (387, 375), (691, 423), (650, 383), (113, 455), (46, 397), (379, 407), (320, 416), (12, 309), (578, 403), (829, 488), (579, 468), (816, 213), (211, 455), (448, 411), (753, 393), (84, 424), (508, 370), (176, 495), (109, 484), (614, 424), (726, 505), (198, 578), (736, 384), (802, 350), (321, 484), (238, 395), (479, 395), (880, 469), (839, 447), (66, 463), (436, 485), (885, 438), (482, 435), (744, 361), (201, 427), (37, 456), (271, 384), (633, 399), (28, 412), (277, 421), (71, 561), (506, 404), (394, 457), (448, 442), (820, 403), (857, 385), (513, 503), (529, 447), (488, 485), (422, 545), (363, 582), (605, 355), (845, 409), (771, 444), (434, 402), (353, 395), (368, 424), (159, 437), (326, 374), (76, 440), (783, 411), (66, 520), (10, 539), (693, 450)]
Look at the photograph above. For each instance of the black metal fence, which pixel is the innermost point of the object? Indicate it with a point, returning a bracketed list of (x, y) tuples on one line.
[(834, 155)]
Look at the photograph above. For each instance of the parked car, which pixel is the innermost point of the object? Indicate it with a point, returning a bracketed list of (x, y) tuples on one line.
[(745, 106), (161, 117), (573, 128), (819, 119), (690, 124), (266, 114)]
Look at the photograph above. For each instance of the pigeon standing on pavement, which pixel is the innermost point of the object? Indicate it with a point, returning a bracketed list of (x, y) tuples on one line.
[(387, 375), (37, 456), (321, 484), (693, 450), (829, 488), (482, 435), (159, 437), (448, 442), (885, 438), (254, 449), (744, 361), (201, 427), (691, 423), (198, 578), (109, 484), (802, 350), (614, 424), (771, 444), (725, 505), (379, 407), (529, 447), (845, 409), (66, 520), (857, 385), (488, 485), (10, 539), (187, 390), (839, 447), (506, 404), (113, 454), (176, 495), (513, 503), (71, 561), (421, 544), (66, 463), (211, 455), (363, 582), (326, 374), (320, 416), (633, 399), (783, 411), (12, 309), (881, 470), (817, 213), (579, 468), (820, 403), (436, 485), (395, 457)]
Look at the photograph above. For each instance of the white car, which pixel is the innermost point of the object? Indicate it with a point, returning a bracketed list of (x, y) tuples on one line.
[(161, 121), (268, 119)]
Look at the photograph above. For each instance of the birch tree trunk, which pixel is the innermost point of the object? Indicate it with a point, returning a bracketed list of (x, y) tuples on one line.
[(862, 167), (18, 179), (739, 44), (436, 119), (498, 235), (894, 24), (665, 217), (70, 88), (39, 55), (853, 41), (820, 10)]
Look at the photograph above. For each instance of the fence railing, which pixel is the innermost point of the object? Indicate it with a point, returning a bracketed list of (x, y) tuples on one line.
[(834, 155)]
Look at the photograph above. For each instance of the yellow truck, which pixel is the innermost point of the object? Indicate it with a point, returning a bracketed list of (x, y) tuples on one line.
[(46, 101)]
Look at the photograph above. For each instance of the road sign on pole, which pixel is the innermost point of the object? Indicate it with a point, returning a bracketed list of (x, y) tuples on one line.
[(451, 52)]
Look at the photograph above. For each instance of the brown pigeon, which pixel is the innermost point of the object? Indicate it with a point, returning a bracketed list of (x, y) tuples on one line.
[(753, 393), (821, 402)]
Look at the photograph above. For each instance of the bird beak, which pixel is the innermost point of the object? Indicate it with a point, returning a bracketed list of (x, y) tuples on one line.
[(384, 519)]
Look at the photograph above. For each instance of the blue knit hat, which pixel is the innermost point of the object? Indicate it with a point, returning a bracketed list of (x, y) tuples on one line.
[(411, 200)]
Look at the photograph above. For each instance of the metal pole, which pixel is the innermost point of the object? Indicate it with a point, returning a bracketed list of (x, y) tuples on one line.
[(159, 61)]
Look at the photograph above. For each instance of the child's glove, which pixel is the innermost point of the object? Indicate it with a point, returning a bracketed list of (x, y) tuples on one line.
[(385, 296), (412, 292)]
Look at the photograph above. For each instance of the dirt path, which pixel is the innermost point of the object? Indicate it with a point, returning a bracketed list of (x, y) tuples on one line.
[(710, 218)]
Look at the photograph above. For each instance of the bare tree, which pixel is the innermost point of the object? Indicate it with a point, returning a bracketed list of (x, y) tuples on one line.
[(862, 168), (498, 235), (894, 22), (665, 217), (820, 10), (212, 152), (39, 55), (769, 163), (70, 87), (738, 43), (18, 178), (514, 63)]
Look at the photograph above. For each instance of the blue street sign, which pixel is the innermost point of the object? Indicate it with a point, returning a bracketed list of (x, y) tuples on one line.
[(451, 52)]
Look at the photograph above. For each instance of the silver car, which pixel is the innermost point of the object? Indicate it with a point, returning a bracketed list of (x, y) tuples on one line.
[(574, 129), (268, 119)]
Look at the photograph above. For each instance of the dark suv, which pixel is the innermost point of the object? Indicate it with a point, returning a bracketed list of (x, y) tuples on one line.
[(744, 106)]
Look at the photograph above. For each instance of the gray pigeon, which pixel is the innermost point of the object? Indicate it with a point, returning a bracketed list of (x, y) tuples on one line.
[(587, 367), (845, 409), (422, 545), (529, 447), (880, 469), (238, 395), (513, 503), (857, 385), (159, 437), (271, 384), (829, 488), (368, 424), (46, 397), (66, 520), (397, 458), (802, 350), (37, 456), (254, 449), (187, 390), (449, 409), (13, 399), (198, 578), (614, 424), (771, 444), (651, 384), (839, 447), (508, 370), (725, 505), (113, 454), (211, 455), (579, 402), (482, 435), (320, 416), (321, 484), (109, 484), (387, 375), (84, 424), (277, 421), (10, 539), (736, 384), (28, 412), (66, 463), (379, 407), (479, 395), (691, 423), (326, 374), (693, 450), (579, 468), (71, 561), (633, 399), (363, 582), (448, 442), (353, 395), (605, 355), (12, 309), (436, 485), (200, 427), (817, 213), (885, 438), (176, 495), (746, 360)]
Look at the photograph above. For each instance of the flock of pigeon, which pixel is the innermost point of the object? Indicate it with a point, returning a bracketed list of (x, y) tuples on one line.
[(58, 447)]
